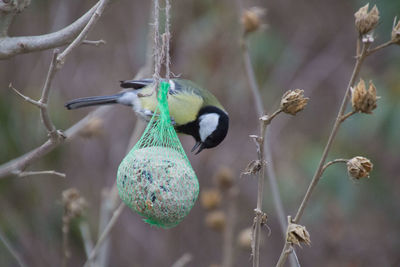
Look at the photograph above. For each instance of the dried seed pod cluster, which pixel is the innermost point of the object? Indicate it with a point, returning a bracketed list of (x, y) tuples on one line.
[(252, 19), (297, 234), (366, 21), (362, 100), (359, 167), (293, 101), (396, 32), (210, 198), (224, 178), (216, 220), (74, 204)]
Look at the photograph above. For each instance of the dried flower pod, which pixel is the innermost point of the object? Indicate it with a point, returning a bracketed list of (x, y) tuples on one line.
[(210, 198), (251, 19), (362, 100), (396, 32), (297, 234), (366, 21), (244, 238), (359, 167), (224, 177), (293, 101), (74, 204), (253, 167), (216, 220)]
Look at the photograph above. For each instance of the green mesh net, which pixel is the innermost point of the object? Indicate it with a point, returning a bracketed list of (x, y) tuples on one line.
[(156, 179)]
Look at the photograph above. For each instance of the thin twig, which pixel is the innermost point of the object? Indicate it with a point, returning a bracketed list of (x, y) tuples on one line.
[(31, 173), (344, 117), (228, 242), (105, 233), (95, 43), (66, 220), (51, 129), (87, 240), (332, 162), (82, 35), (183, 260), (12, 251), (379, 47), (26, 98), (260, 194)]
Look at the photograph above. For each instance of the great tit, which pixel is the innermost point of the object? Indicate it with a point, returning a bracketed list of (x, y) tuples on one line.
[(193, 110)]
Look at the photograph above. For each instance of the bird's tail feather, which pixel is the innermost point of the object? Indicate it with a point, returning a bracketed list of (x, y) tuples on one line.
[(93, 101)]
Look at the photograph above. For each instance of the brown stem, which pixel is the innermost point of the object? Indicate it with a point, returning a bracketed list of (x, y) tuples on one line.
[(65, 231), (379, 47), (228, 243), (344, 117), (332, 162), (338, 121)]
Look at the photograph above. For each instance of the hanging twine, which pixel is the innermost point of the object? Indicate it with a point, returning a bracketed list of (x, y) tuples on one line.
[(161, 49)]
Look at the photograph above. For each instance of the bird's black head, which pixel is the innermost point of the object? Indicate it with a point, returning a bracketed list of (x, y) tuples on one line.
[(212, 126)]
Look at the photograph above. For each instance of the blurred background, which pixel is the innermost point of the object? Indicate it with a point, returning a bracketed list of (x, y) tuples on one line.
[(307, 44)]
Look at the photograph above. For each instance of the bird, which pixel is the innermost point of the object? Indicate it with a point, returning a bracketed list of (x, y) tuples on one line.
[(193, 110)]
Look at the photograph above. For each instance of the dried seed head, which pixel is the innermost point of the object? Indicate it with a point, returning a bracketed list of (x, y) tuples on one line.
[(251, 19), (210, 198), (224, 177), (297, 234), (74, 204), (216, 220), (93, 128), (362, 100), (366, 21), (244, 238), (359, 167), (253, 167), (396, 32), (293, 101)]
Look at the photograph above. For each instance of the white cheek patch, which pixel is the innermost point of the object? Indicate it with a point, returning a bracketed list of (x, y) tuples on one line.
[(131, 99), (172, 85), (208, 124)]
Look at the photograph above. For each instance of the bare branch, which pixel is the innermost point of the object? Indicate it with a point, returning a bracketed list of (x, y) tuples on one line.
[(82, 35), (56, 137), (11, 46), (23, 161)]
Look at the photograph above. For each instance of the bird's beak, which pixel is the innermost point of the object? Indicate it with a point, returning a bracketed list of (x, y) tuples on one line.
[(198, 145)]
